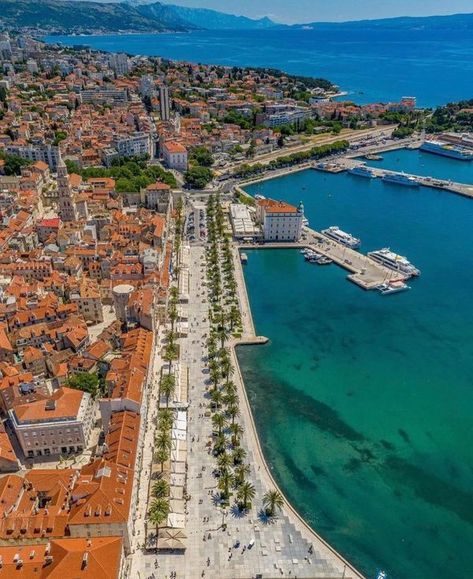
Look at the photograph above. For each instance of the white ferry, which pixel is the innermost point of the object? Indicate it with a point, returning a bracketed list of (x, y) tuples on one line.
[(337, 234), (400, 179), (394, 261)]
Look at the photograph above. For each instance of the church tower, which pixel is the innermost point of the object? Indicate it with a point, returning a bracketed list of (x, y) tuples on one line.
[(67, 206)]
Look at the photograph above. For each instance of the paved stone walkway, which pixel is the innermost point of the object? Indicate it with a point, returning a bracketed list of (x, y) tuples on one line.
[(280, 549)]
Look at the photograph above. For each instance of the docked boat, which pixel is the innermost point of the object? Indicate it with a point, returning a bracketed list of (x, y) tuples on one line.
[(400, 179), (342, 237), (373, 157), (392, 287), (394, 261), (323, 260), (259, 197), (305, 222), (244, 258), (362, 171), (447, 150)]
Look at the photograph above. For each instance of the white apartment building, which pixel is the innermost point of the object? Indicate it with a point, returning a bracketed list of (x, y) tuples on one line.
[(60, 424), (133, 145), (279, 220), (175, 156)]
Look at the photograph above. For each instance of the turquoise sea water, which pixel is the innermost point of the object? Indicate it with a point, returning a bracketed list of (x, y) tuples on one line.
[(421, 163), (364, 403), (383, 65)]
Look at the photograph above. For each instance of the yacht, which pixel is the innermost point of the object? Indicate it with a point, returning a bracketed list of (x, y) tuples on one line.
[(362, 171), (392, 287), (394, 261), (337, 234), (259, 197), (400, 179)]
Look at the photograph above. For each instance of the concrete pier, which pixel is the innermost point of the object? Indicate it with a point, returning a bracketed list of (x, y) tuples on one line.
[(364, 271)]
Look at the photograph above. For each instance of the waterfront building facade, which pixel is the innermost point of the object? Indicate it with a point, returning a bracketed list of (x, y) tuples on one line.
[(279, 220)]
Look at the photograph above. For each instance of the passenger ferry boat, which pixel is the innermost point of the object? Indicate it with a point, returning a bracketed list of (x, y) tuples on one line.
[(446, 150), (400, 179), (394, 261), (362, 171), (334, 232)]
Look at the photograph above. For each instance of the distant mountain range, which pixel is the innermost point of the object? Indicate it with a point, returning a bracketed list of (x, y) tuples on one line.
[(82, 16), (450, 22), (213, 20)]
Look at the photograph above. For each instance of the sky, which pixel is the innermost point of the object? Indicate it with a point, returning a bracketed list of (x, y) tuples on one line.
[(298, 11)]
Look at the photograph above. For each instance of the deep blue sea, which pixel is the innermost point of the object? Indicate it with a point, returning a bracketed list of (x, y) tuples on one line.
[(373, 66), (363, 402)]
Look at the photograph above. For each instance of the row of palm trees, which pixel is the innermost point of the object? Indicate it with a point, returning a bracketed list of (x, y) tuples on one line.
[(159, 508), (225, 318)]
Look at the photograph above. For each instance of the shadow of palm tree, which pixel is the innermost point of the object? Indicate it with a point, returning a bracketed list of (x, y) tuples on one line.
[(265, 518), (237, 512), (217, 499)]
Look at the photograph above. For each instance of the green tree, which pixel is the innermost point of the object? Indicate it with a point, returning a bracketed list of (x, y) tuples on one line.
[(86, 382), (167, 386), (198, 177), (272, 501), (202, 156), (160, 489), (246, 493), (158, 513)]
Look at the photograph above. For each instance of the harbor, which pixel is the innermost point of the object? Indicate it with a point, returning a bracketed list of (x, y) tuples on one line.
[(364, 271)]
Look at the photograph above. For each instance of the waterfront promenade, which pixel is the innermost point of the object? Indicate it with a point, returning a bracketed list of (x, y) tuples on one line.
[(284, 548)]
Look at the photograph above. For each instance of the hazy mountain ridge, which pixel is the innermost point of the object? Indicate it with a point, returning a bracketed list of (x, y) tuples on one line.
[(67, 15), (214, 20), (449, 22)]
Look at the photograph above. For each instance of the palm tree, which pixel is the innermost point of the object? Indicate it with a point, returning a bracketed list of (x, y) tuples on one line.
[(167, 386), (165, 418), (219, 421), (238, 455), (246, 493), (216, 396), (272, 500), (231, 399), (241, 472), (161, 456), (160, 489), (234, 314), (215, 377), (224, 483), (224, 461), (236, 431), (232, 412), (227, 369), (174, 292), (172, 312), (163, 442), (230, 388), (158, 513), (220, 444)]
